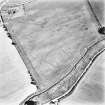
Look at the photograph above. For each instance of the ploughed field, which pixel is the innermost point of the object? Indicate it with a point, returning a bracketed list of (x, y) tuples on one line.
[(54, 36)]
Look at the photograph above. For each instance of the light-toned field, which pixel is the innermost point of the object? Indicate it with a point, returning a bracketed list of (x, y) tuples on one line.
[(91, 90), (14, 79)]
